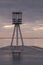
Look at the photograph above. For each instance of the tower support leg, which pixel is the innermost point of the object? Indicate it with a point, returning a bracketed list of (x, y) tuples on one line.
[(17, 27), (21, 36), (13, 36), (17, 35)]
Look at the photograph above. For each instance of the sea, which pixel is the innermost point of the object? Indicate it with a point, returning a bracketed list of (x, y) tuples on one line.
[(27, 42), (36, 58)]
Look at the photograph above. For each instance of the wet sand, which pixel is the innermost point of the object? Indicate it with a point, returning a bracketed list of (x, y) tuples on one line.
[(30, 56)]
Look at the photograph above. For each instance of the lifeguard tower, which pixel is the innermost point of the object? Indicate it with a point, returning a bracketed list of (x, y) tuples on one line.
[(17, 20)]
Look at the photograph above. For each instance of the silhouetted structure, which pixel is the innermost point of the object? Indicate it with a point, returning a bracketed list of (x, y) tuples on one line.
[(17, 20)]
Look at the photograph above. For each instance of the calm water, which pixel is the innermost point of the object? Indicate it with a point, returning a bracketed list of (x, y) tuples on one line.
[(28, 42), (8, 59)]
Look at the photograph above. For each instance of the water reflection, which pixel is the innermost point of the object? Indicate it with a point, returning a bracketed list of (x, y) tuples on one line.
[(16, 57), (7, 58)]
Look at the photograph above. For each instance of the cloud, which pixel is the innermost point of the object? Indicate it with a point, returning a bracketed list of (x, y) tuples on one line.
[(37, 28), (32, 17), (32, 9)]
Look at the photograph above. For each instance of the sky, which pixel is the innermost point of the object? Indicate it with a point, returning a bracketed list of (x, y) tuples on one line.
[(32, 17)]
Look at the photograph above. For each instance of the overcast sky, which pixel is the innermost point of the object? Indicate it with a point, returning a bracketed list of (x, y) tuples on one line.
[(32, 10), (32, 16)]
